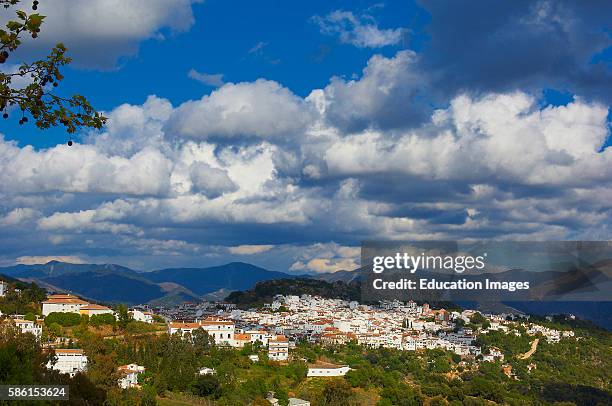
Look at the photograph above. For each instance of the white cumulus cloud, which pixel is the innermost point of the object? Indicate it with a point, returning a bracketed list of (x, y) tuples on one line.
[(360, 31)]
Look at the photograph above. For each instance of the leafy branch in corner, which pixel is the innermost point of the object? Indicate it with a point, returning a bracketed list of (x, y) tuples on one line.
[(37, 99)]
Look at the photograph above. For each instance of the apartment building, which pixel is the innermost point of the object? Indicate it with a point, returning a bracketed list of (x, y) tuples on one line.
[(69, 361)]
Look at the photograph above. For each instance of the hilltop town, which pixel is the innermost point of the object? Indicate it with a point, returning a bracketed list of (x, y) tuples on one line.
[(282, 333)]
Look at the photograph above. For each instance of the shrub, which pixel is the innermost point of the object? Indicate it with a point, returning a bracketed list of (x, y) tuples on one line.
[(98, 320), (63, 319)]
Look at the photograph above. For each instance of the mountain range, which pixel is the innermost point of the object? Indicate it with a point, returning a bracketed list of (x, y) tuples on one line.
[(111, 283)]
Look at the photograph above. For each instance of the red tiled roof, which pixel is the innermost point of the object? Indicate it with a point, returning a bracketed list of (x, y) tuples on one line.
[(68, 351), (94, 307)]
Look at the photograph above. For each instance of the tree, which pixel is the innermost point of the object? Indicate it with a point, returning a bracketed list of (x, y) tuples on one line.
[(202, 340), (98, 320), (23, 362), (54, 330), (38, 98), (124, 316), (206, 385), (63, 319), (21, 358), (336, 393)]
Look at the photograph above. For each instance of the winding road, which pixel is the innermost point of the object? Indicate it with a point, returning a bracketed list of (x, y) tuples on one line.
[(534, 347)]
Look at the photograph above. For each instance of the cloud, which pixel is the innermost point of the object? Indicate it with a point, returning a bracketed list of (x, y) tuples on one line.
[(329, 257), (32, 260), (254, 169), (99, 32), (500, 138), (82, 169), (261, 109), (527, 45), (360, 31), (258, 47), (385, 96), (214, 79), (18, 216), (249, 249), (498, 165), (212, 182), (132, 128)]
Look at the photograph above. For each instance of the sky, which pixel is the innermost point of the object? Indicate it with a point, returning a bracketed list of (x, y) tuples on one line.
[(286, 133)]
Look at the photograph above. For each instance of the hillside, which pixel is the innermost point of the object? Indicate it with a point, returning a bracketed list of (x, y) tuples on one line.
[(265, 291), (57, 268), (27, 301)]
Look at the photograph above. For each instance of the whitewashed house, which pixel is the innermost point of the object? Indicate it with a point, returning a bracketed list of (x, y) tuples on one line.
[(278, 348), (28, 326), (3, 288), (129, 375), (493, 355), (325, 369), (138, 315), (69, 361), (222, 331), (62, 304)]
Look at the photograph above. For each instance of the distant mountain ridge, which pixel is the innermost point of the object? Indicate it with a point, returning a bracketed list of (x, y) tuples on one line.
[(232, 276), (116, 283)]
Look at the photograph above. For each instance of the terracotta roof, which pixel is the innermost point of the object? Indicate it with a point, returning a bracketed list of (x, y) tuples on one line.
[(184, 325), (64, 299), (21, 321), (94, 307), (242, 336), (213, 322), (125, 370), (68, 351), (325, 365)]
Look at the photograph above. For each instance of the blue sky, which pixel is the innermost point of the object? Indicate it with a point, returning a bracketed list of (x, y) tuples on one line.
[(274, 40), (284, 133)]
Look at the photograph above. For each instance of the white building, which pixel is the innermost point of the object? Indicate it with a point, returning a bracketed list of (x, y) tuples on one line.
[(138, 315), (69, 361), (3, 288), (94, 310), (222, 331), (62, 304), (129, 375), (207, 371), (327, 370), (28, 326), (298, 402), (278, 348), (494, 355)]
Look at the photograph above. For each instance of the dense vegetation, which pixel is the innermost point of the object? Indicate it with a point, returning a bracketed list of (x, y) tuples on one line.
[(575, 371), (22, 298)]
